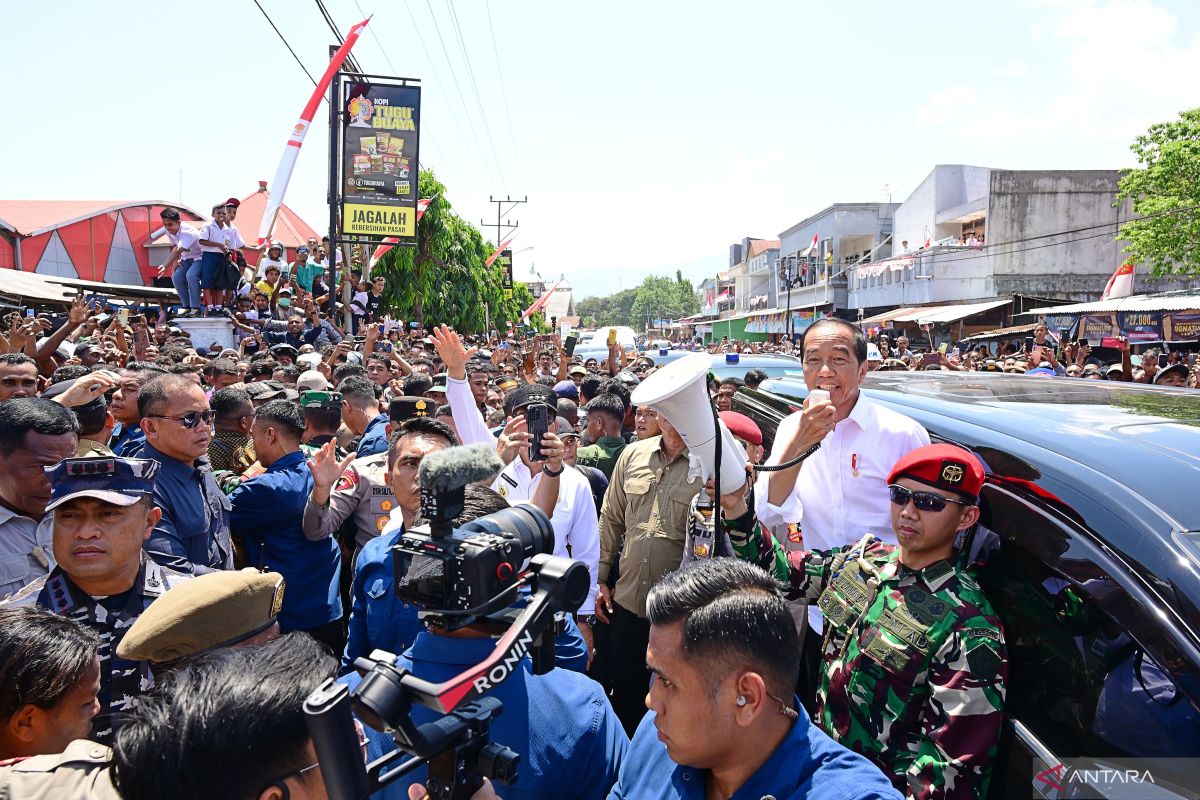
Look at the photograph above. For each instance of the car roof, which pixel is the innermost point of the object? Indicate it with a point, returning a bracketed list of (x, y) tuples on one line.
[(1145, 438)]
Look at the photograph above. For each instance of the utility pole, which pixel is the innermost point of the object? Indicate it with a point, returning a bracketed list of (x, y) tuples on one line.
[(503, 226)]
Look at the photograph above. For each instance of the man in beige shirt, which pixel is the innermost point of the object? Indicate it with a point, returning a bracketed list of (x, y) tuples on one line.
[(643, 521)]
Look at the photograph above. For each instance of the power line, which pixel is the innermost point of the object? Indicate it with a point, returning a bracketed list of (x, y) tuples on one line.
[(354, 66), (470, 124), (503, 88), (487, 128), (283, 39)]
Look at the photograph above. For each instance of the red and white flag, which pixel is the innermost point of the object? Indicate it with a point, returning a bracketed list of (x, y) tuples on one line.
[(503, 245), (1120, 284), (283, 174), (390, 242), (540, 303), (812, 247)]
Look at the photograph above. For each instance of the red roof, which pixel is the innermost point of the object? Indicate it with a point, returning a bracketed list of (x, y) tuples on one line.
[(758, 246), (289, 227), (31, 217)]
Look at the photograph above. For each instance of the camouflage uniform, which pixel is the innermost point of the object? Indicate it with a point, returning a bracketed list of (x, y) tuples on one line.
[(914, 661), (121, 681)]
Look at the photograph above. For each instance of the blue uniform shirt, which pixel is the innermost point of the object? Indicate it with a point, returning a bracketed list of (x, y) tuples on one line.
[(126, 442), (268, 511), (374, 439), (570, 742), (193, 535), (379, 620), (806, 764)]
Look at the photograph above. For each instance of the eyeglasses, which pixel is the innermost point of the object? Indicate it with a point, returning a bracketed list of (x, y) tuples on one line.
[(190, 419), (924, 501), (278, 783)]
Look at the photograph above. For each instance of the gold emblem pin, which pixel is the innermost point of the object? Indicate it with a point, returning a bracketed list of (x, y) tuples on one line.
[(952, 473)]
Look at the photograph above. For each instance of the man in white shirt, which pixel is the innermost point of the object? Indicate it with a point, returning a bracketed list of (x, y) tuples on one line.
[(185, 258), (576, 524), (273, 258), (840, 492)]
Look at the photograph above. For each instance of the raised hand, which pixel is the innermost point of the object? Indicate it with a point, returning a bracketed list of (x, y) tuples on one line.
[(450, 349), (325, 466)]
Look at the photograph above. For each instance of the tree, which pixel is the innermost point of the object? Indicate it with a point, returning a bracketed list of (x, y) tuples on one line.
[(1165, 192), (444, 278), (662, 298)]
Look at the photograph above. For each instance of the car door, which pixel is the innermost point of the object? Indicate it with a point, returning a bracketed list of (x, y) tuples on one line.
[(1094, 694)]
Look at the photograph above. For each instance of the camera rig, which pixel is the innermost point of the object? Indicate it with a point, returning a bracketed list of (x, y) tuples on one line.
[(456, 746)]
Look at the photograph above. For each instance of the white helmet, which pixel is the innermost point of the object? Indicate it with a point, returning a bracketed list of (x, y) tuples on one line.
[(276, 246)]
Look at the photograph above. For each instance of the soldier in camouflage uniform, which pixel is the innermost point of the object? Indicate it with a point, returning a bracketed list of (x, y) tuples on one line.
[(914, 658), (102, 514)]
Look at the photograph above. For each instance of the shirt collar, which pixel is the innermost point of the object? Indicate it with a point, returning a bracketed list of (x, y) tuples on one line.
[(863, 413), (7, 514), (934, 576), (169, 464), (283, 462)]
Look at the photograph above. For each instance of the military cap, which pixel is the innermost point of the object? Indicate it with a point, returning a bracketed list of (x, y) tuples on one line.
[(120, 481), (528, 395), (214, 610), (943, 466), (742, 427), (409, 406), (319, 398), (439, 386), (567, 389), (265, 390)]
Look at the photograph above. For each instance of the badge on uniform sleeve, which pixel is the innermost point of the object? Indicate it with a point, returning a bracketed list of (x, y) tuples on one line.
[(347, 482)]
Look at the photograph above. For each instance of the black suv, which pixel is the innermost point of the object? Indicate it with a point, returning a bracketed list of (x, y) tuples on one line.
[(1093, 490)]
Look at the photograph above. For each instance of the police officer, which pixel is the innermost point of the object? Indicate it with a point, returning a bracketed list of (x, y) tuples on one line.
[(102, 515), (358, 488), (914, 662), (267, 513)]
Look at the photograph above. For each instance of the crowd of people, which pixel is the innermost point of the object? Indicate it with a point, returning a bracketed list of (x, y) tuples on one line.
[(194, 538)]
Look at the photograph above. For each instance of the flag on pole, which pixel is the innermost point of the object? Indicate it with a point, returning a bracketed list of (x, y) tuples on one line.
[(283, 174), (540, 303), (503, 245), (1120, 284), (390, 241), (812, 247)]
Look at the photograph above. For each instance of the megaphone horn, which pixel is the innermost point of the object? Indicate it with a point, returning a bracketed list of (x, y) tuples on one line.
[(679, 392)]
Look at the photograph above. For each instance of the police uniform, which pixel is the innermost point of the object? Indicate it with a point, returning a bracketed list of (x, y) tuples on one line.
[(79, 772), (360, 493), (914, 661), (120, 481)]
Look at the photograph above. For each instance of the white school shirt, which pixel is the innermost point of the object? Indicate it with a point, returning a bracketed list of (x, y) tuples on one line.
[(213, 233), (841, 492), (267, 261), (188, 239)]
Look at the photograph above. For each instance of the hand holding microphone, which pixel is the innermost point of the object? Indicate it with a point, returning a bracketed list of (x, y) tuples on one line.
[(816, 420)]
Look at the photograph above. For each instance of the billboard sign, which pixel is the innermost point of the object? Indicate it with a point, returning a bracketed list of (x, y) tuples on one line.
[(381, 125)]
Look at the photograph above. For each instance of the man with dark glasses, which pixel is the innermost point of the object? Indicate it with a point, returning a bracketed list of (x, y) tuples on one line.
[(913, 658)]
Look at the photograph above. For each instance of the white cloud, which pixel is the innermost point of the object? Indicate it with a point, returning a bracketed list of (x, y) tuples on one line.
[(1013, 70)]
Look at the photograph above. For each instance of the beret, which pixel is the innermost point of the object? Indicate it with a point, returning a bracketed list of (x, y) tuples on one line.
[(742, 427), (944, 466), (206, 612)]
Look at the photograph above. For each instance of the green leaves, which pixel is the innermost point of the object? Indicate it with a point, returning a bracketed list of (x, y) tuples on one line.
[(658, 297), (1165, 192), (443, 278)]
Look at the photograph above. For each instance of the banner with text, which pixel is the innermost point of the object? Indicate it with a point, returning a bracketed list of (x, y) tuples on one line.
[(1140, 326), (505, 262), (380, 135), (1181, 326)]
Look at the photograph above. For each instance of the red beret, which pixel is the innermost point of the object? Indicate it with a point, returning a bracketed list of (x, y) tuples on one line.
[(945, 466), (742, 427), (233, 201)]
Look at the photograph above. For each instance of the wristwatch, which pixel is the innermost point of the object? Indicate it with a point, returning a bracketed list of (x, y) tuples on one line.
[(546, 470), (589, 620)]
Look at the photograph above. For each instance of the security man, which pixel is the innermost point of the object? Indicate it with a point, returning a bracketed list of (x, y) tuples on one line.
[(360, 490), (914, 662), (322, 417), (102, 515), (236, 608)]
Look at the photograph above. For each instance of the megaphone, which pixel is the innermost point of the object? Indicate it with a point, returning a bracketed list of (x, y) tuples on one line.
[(679, 392)]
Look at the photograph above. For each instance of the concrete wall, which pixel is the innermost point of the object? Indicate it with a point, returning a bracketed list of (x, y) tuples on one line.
[(947, 187)]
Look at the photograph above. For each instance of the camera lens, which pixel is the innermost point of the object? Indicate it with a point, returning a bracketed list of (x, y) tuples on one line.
[(528, 525)]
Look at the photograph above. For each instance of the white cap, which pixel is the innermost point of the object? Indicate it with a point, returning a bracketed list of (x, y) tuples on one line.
[(873, 353), (312, 380)]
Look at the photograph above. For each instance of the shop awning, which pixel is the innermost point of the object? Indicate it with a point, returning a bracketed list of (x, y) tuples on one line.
[(1186, 300), (886, 316), (937, 315), (56, 289), (1001, 333), (29, 286)]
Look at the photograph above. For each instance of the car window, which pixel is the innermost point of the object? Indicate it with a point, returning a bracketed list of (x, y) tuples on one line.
[(1079, 681)]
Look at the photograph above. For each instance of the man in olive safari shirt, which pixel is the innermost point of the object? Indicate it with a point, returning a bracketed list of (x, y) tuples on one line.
[(643, 520)]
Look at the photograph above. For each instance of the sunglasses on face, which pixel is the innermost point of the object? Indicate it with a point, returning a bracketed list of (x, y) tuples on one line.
[(190, 419), (924, 501)]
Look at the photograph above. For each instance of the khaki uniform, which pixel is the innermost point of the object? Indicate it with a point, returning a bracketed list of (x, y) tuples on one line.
[(360, 493), (78, 773)]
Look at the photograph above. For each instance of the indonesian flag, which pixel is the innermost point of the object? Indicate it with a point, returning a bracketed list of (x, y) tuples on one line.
[(723, 297), (928, 243), (283, 173), (492, 258), (1120, 284), (390, 242), (540, 303), (812, 247)]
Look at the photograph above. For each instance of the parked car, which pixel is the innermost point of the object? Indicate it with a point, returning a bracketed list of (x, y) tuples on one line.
[(1093, 492)]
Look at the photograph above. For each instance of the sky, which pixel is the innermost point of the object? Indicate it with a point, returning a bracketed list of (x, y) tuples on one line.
[(648, 136)]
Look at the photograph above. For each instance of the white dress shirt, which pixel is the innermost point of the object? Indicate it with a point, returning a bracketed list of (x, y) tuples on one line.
[(575, 523), (212, 232), (841, 492), (25, 552), (467, 418)]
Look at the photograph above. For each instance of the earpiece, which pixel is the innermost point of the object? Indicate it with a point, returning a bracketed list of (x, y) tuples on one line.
[(741, 701)]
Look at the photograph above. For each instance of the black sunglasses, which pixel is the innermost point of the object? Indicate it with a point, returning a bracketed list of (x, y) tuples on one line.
[(924, 501), (190, 419)]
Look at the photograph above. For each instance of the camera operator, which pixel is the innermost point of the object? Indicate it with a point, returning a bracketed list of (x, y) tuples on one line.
[(570, 742)]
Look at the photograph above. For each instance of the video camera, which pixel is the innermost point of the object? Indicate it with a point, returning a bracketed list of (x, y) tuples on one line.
[(458, 576)]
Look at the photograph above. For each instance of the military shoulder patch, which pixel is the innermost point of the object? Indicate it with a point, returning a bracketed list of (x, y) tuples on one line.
[(982, 633), (984, 662)]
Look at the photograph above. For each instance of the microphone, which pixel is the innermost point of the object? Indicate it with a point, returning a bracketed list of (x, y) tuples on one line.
[(443, 476)]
